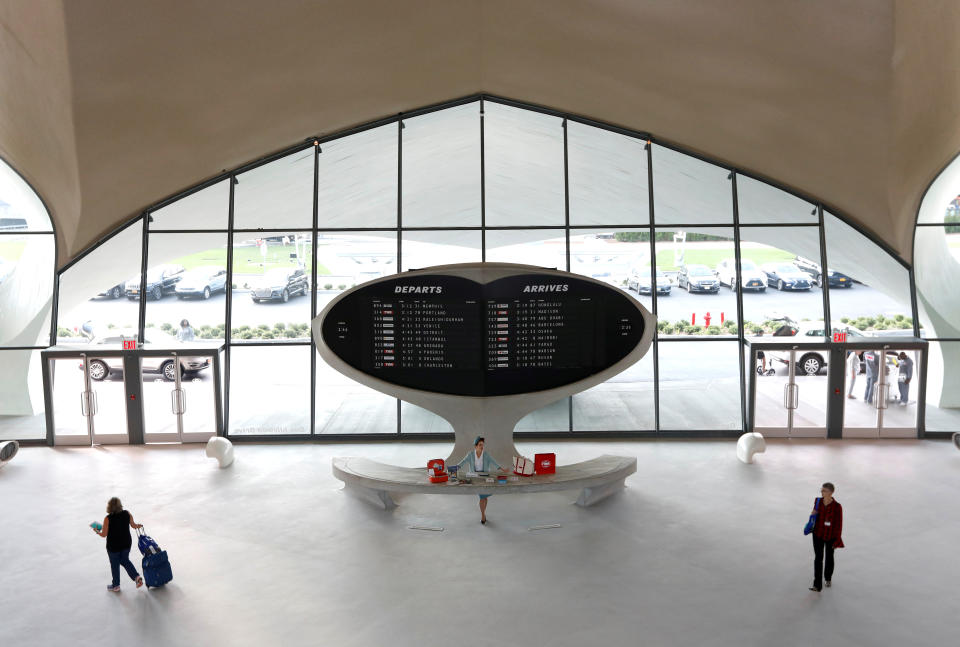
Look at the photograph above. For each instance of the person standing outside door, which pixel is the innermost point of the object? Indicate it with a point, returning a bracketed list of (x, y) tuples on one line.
[(853, 368), (871, 358), (826, 537), (904, 375)]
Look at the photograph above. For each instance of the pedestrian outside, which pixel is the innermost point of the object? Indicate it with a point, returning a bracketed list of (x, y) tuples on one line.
[(904, 375), (872, 360), (826, 537), (186, 332), (116, 528), (853, 368)]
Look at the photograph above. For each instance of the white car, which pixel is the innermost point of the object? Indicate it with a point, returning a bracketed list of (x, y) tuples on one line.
[(102, 367), (751, 276), (810, 362), (202, 282)]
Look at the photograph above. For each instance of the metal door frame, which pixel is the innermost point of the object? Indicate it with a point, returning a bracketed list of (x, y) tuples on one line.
[(791, 391)]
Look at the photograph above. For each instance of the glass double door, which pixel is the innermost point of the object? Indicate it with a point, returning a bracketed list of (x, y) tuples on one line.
[(790, 397), (881, 387)]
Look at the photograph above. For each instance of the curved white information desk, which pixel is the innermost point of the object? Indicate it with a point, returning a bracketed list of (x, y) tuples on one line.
[(598, 478), (481, 345)]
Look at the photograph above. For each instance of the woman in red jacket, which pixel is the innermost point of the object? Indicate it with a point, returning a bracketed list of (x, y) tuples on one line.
[(826, 536)]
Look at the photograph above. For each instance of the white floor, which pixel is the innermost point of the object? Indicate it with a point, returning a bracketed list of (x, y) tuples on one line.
[(698, 550)]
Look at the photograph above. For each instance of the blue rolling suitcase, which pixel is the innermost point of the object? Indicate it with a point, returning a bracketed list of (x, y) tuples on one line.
[(156, 565)]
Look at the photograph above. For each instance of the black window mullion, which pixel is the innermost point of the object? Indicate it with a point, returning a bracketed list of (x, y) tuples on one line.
[(739, 292), (653, 293), (228, 318), (313, 287)]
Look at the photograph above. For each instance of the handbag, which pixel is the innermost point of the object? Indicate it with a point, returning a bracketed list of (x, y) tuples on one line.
[(812, 521)]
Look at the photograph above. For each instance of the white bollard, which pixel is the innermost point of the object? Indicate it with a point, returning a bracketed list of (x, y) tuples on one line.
[(749, 444), (8, 450), (221, 449)]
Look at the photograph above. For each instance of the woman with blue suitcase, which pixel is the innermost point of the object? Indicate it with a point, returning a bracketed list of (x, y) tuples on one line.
[(116, 528)]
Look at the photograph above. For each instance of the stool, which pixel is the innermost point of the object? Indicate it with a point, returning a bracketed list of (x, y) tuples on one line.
[(749, 444), (221, 449)]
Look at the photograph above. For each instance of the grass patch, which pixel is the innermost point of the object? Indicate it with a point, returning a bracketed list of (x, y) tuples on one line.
[(247, 260), (712, 257)]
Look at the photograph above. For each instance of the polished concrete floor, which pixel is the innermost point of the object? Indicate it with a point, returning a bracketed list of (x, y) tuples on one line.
[(698, 550)]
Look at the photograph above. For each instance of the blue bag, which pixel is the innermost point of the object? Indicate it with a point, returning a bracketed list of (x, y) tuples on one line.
[(156, 564), (813, 517)]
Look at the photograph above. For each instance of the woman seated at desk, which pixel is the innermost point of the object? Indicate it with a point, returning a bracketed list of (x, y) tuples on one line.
[(480, 462)]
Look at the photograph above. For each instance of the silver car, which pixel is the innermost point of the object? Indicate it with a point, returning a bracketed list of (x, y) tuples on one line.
[(202, 282), (102, 367)]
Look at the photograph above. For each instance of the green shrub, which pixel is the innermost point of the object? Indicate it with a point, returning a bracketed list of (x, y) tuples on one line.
[(246, 334), (263, 327), (279, 326), (243, 328), (342, 286), (661, 325), (695, 330), (898, 317), (713, 330), (267, 335), (328, 286), (668, 329), (903, 325), (291, 334), (845, 320)]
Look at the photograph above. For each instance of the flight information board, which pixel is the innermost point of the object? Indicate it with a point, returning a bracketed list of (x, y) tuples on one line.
[(448, 334)]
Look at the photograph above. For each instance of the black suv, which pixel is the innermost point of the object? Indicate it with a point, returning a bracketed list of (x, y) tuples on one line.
[(279, 284), (161, 280)]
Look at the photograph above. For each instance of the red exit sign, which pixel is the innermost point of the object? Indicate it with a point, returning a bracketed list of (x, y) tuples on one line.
[(839, 337), (129, 344)]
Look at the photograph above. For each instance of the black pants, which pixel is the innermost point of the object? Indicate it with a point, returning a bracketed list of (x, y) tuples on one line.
[(822, 571)]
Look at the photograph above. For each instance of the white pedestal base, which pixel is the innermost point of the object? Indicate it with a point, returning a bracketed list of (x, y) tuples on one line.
[(591, 495)]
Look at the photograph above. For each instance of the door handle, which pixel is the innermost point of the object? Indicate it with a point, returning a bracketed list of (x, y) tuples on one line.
[(177, 401), (786, 396), (795, 388)]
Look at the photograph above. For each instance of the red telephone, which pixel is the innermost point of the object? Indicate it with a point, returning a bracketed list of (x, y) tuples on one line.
[(437, 471)]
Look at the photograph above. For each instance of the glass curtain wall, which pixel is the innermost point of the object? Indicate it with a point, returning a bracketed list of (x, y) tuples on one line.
[(713, 253), (27, 259)]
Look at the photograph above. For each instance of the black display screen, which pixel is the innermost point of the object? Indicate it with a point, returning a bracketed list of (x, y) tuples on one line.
[(448, 334)]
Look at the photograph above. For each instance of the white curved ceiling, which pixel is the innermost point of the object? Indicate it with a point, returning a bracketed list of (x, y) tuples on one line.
[(108, 107)]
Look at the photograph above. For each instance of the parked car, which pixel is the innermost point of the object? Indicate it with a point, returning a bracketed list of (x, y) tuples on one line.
[(114, 292), (834, 278), (698, 278), (202, 282), (279, 284), (639, 281), (751, 277), (102, 367), (785, 276), (161, 280), (811, 362)]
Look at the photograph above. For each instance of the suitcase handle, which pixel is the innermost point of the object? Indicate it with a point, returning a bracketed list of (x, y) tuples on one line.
[(140, 531)]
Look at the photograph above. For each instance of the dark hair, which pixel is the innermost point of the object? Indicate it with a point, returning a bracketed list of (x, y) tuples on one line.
[(114, 506), (478, 440), (185, 323), (829, 486)]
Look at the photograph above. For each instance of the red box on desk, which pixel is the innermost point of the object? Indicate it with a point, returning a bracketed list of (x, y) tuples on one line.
[(545, 463)]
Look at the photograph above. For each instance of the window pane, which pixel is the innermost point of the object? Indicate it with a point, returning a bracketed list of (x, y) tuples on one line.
[(271, 287), (417, 420), (936, 253), (345, 406), (358, 180), (540, 247), (20, 207), (441, 168), (779, 270), (688, 190), (93, 291), (699, 385), (346, 259), (879, 299), (269, 390), (622, 403), (620, 257), (689, 260), (21, 407), (553, 417), (764, 204), (278, 194), (427, 248), (607, 176), (206, 209), (523, 154), (26, 289), (188, 272), (943, 396)]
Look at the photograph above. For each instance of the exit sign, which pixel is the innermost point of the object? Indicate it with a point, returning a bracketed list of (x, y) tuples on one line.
[(839, 337), (129, 344)]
